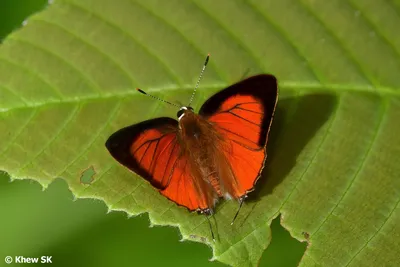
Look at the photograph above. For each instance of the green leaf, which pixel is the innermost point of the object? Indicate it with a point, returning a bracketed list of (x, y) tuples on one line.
[(67, 82)]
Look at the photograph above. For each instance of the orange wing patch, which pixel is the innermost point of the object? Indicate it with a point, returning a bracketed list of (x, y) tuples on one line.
[(157, 154), (247, 166), (240, 122), (182, 189), (240, 118)]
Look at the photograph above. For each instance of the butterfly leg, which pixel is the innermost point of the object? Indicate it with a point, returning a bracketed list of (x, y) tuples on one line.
[(241, 200), (209, 213)]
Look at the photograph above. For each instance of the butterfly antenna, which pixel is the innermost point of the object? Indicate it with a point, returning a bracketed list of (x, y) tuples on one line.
[(241, 200), (211, 230), (198, 81), (157, 98)]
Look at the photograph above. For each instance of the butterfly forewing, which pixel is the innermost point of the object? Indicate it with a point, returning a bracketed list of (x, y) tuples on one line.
[(151, 149), (136, 146)]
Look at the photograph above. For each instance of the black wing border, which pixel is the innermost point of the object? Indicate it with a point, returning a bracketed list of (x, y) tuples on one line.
[(120, 142)]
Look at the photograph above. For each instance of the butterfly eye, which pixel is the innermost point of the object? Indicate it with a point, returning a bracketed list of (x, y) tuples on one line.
[(180, 113)]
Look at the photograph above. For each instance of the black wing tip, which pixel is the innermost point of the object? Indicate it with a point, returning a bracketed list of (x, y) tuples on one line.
[(261, 77), (110, 143), (263, 86)]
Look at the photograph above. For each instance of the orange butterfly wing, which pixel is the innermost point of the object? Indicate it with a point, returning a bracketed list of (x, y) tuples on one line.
[(151, 149), (242, 114)]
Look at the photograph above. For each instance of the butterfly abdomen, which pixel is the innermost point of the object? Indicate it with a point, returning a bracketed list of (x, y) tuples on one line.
[(202, 145)]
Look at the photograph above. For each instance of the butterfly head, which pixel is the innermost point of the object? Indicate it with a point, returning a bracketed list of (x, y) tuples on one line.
[(183, 111)]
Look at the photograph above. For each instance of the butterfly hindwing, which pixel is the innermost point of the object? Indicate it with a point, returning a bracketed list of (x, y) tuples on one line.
[(242, 114), (151, 149)]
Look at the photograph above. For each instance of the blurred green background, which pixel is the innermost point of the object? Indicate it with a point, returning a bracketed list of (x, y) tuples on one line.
[(81, 233)]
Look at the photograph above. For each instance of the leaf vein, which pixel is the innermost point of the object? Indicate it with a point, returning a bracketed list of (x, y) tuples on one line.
[(94, 138), (377, 130), (376, 233), (211, 64), (231, 34), (356, 63), (281, 32), (173, 76), (93, 85), (35, 74), (304, 87), (12, 139), (51, 140), (97, 48), (317, 150), (375, 29)]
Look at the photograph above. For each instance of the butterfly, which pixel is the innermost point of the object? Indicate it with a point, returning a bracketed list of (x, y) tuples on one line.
[(199, 158)]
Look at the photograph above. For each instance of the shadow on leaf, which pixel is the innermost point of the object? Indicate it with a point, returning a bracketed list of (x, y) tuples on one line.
[(290, 133)]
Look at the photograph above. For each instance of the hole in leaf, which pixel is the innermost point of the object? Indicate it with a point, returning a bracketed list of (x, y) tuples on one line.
[(87, 176), (283, 250)]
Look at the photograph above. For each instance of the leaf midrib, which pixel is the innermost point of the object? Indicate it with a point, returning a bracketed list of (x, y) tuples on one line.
[(304, 87)]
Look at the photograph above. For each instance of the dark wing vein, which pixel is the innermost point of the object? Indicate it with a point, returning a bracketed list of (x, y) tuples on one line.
[(144, 143), (173, 167), (149, 143), (223, 128), (242, 118), (244, 103), (151, 169), (232, 112), (249, 148), (180, 177), (252, 111)]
